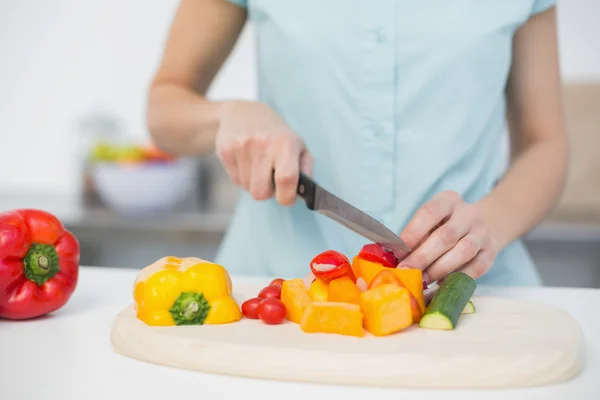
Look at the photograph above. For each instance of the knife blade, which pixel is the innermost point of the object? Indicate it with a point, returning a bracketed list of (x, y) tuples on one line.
[(320, 200)]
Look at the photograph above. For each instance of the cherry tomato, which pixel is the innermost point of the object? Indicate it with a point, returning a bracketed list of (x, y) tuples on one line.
[(277, 282), (271, 311), (270, 292), (250, 308), (331, 265), (376, 253)]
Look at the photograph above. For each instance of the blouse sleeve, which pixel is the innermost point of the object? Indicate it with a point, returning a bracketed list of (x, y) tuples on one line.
[(541, 5), (240, 3)]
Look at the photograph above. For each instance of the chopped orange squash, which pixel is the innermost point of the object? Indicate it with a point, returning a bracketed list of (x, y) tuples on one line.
[(356, 267), (389, 276), (386, 309), (318, 290), (369, 269), (384, 277), (343, 290), (295, 297), (327, 317), (413, 280)]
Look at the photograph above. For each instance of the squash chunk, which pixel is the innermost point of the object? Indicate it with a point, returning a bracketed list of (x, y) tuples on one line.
[(356, 267), (318, 290), (327, 317), (369, 269), (386, 309), (412, 278), (294, 296), (343, 290)]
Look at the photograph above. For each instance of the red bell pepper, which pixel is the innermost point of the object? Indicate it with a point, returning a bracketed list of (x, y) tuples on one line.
[(39, 264), (331, 265)]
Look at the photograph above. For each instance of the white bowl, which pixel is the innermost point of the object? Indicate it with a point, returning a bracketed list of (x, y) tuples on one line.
[(143, 188)]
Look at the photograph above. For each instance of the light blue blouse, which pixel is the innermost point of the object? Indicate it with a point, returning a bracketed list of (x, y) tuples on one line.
[(397, 100)]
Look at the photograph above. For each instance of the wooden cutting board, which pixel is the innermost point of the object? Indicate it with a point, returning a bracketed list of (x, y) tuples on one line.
[(506, 343)]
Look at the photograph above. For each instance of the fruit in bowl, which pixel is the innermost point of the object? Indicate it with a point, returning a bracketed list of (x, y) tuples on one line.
[(134, 179), (104, 152)]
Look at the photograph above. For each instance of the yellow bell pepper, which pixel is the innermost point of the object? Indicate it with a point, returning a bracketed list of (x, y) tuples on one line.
[(184, 291)]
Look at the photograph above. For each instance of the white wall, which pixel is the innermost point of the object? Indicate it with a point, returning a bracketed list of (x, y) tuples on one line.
[(62, 58), (579, 39)]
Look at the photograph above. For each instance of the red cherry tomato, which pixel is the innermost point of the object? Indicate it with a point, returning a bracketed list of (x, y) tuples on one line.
[(331, 265), (271, 311), (270, 292), (250, 308), (277, 282), (376, 253)]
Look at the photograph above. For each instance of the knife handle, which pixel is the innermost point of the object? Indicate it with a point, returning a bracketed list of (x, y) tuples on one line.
[(306, 189)]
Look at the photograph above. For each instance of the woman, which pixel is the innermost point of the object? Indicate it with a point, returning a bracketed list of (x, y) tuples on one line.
[(398, 107)]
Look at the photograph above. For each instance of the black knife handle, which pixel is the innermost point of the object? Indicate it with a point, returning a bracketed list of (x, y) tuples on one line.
[(307, 189)]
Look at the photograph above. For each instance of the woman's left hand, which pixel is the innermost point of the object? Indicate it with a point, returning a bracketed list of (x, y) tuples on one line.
[(446, 235)]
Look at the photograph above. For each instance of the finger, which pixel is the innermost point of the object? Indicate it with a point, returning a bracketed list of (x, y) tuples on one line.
[(261, 187), (306, 162), (465, 250), (439, 242), (427, 217), (479, 265), (227, 158), (429, 233), (243, 163), (287, 170)]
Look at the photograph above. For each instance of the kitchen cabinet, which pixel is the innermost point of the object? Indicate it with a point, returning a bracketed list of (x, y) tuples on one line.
[(565, 255), (580, 201)]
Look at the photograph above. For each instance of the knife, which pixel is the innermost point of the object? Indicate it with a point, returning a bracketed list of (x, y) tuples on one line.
[(320, 200)]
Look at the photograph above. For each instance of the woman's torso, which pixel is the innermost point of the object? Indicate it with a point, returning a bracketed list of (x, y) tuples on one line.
[(396, 100)]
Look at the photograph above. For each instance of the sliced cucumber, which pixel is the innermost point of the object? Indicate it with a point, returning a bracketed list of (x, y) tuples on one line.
[(469, 308), (448, 302), (436, 320)]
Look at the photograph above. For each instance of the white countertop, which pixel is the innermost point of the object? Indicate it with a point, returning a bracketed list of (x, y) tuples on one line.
[(68, 355)]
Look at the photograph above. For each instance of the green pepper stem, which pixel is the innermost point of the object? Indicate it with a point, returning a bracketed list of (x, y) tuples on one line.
[(190, 309), (41, 263)]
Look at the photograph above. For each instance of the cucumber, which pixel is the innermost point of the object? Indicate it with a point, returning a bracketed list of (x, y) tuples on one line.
[(448, 302), (469, 308)]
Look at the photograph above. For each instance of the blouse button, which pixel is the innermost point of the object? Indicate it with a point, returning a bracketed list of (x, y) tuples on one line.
[(377, 35), (378, 129)]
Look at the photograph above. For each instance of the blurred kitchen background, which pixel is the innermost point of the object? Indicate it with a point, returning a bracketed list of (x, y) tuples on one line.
[(74, 73)]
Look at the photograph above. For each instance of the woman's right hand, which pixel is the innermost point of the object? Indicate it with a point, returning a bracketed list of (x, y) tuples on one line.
[(251, 142)]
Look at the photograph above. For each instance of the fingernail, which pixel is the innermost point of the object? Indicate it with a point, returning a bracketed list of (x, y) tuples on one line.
[(426, 277)]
